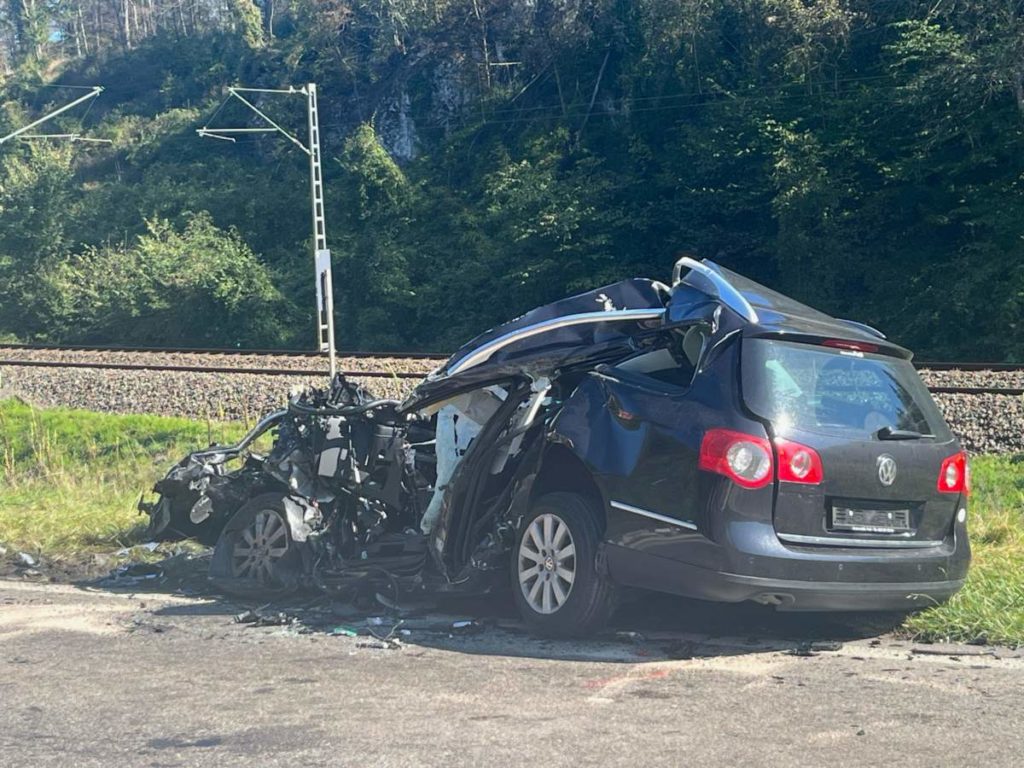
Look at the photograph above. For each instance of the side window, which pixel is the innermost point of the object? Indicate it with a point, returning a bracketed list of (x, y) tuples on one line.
[(674, 365)]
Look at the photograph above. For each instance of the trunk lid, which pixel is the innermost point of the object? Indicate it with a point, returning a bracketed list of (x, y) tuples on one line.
[(877, 431)]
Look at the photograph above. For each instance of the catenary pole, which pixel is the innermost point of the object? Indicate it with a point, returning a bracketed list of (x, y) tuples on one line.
[(321, 254)]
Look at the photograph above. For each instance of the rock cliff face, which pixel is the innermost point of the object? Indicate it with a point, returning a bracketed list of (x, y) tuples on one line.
[(450, 95), (397, 129), (450, 91)]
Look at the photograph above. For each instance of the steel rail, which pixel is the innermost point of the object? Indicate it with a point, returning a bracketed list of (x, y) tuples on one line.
[(944, 390), (296, 372), (217, 351), (971, 367)]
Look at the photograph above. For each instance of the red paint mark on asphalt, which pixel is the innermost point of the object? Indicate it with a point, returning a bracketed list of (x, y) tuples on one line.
[(604, 682)]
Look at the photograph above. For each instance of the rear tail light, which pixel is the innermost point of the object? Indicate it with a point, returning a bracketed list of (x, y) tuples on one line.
[(745, 459), (798, 463), (955, 475)]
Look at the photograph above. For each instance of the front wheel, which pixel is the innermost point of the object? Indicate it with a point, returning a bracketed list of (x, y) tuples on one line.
[(555, 581), (256, 553)]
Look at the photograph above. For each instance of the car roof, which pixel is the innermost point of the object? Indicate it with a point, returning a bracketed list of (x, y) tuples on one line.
[(580, 330), (767, 312)]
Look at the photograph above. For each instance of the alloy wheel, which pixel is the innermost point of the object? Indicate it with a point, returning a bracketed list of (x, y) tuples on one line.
[(547, 563), (259, 546)]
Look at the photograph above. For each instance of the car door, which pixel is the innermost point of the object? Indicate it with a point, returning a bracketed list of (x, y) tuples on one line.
[(638, 426)]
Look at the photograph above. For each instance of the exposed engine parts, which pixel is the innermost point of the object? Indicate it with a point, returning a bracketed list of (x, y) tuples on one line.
[(341, 492)]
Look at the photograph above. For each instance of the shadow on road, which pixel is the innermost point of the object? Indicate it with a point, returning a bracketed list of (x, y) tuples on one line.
[(648, 627)]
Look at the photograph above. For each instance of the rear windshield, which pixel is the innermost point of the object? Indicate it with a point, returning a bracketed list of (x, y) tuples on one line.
[(832, 391)]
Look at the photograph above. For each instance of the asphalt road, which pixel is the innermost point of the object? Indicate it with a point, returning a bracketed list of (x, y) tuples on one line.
[(101, 678)]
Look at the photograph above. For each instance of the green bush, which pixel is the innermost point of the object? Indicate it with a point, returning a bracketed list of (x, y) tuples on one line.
[(197, 284)]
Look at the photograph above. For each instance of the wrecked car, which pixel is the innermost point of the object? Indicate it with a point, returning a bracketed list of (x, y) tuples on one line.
[(709, 438)]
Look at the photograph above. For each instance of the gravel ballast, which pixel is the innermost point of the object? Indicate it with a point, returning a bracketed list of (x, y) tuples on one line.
[(400, 365), (985, 423), (233, 396)]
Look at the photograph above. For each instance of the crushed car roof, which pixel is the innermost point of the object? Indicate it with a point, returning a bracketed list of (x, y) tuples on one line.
[(605, 324), (584, 329)]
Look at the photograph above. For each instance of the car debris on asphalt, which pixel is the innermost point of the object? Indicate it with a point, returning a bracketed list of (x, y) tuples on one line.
[(149, 546), (814, 647), (132, 574), (256, 618)]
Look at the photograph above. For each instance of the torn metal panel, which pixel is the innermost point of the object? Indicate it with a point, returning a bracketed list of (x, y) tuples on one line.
[(458, 424)]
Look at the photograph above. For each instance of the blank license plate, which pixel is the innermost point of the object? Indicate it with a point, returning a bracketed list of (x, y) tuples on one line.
[(870, 520)]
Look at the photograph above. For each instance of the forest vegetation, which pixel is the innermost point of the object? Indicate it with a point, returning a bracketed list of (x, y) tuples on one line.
[(485, 156)]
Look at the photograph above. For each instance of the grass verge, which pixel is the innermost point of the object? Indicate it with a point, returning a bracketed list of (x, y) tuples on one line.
[(990, 607), (71, 479)]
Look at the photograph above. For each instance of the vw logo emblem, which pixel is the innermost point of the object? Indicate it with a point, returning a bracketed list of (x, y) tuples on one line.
[(886, 469)]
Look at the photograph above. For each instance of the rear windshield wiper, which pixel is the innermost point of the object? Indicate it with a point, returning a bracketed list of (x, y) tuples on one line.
[(888, 433)]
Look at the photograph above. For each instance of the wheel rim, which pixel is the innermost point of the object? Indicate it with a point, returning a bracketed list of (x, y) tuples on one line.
[(547, 563), (259, 546)]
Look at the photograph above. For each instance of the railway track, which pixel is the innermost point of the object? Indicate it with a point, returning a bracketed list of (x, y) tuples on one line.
[(982, 402), (294, 353), (19, 360), (221, 351), (369, 374), (206, 369)]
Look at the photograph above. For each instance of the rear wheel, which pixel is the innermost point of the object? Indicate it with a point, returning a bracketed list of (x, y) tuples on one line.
[(555, 581)]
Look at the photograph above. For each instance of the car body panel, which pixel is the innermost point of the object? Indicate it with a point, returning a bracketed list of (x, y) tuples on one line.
[(852, 482), (581, 330), (642, 442)]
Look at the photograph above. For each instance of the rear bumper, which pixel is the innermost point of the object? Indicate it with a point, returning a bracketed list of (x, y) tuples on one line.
[(634, 568)]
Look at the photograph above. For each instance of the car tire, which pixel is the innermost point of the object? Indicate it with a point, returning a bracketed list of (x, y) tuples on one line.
[(255, 554), (557, 593)]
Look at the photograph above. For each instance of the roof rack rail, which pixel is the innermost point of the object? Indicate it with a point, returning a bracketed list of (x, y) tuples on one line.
[(484, 353), (731, 297), (864, 327)]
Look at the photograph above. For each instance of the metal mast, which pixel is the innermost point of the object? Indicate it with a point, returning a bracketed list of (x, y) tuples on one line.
[(321, 254)]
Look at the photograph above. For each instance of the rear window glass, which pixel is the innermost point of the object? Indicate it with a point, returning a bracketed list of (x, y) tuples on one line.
[(816, 389)]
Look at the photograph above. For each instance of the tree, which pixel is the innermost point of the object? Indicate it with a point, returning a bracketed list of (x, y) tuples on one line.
[(862, 156), (35, 197), (376, 296)]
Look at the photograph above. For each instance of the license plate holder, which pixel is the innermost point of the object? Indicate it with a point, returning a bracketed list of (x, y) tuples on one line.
[(857, 520)]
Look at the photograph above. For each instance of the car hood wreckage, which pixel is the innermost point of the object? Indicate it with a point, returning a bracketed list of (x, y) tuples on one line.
[(507, 463)]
